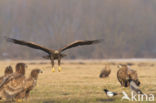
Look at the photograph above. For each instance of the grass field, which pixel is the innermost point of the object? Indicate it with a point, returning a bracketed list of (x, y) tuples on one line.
[(79, 81)]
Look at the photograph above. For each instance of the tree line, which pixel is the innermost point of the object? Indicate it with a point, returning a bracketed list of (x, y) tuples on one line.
[(127, 27)]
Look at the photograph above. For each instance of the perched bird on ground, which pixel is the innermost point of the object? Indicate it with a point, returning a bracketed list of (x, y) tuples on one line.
[(125, 73), (109, 93), (105, 72), (54, 54), (29, 84), (9, 87), (134, 87), (8, 71)]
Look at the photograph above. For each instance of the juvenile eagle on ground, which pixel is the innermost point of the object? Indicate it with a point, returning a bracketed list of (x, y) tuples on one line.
[(105, 72), (54, 54), (29, 84), (124, 74), (10, 84)]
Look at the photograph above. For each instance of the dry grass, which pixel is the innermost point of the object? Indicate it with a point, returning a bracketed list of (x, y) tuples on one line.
[(79, 81)]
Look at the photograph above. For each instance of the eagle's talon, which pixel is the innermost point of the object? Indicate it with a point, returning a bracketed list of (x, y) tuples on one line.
[(59, 69), (53, 69)]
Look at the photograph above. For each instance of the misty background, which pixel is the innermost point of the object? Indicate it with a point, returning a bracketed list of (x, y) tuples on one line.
[(128, 27)]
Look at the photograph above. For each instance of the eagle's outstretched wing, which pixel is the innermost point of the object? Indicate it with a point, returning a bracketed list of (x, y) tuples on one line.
[(29, 44), (80, 43)]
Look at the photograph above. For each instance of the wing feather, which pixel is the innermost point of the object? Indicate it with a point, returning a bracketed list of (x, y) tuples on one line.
[(9, 78), (80, 43), (29, 44)]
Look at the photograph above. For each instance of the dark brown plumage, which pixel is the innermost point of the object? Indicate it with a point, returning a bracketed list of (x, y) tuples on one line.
[(54, 54), (8, 70), (105, 72), (9, 87), (30, 83), (20, 68), (124, 74)]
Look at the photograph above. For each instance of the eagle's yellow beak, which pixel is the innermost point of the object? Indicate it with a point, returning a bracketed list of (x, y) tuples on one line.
[(59, 68), (53, 69)]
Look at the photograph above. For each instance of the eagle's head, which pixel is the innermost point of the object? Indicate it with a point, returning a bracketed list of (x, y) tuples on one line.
[(56, 52), (122, 66), (8, 70), (20, 68), (35, 72)]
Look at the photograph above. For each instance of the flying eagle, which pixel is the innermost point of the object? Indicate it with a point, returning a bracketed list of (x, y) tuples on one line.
[(54, 54), (10, 84)]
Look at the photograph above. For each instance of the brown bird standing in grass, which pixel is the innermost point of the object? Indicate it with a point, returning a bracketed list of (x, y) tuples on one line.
[(29, 84), (105, 72), (9, 87), (8, 71), (54, 54), (124, 74)]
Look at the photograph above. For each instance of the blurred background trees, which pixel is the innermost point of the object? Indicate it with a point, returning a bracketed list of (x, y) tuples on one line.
[(128, 27)]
